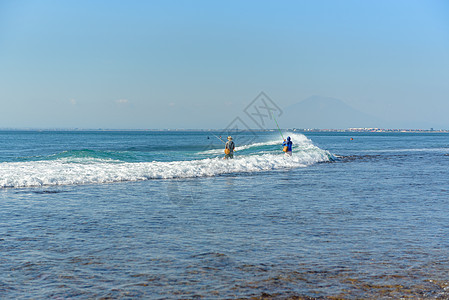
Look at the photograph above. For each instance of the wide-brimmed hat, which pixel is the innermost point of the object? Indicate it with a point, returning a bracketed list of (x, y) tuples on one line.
[(229, 137)]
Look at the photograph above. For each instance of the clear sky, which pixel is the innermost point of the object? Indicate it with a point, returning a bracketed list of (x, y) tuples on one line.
[(197, 64)]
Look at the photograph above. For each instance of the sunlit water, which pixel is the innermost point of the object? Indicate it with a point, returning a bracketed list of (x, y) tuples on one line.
[(161, 215)]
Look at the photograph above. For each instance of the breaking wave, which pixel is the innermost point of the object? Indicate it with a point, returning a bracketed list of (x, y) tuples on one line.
[(93, 167)]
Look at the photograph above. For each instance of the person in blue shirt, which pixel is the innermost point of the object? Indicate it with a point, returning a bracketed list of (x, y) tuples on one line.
[(288, 146)]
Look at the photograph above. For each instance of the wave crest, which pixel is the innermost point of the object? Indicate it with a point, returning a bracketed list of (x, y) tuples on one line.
[(95, 170)]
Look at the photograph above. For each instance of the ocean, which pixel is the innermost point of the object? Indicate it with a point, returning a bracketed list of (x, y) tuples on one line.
[(160, 215)]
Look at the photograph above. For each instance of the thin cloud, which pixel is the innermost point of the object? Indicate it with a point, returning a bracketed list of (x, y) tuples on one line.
[(122, 101)]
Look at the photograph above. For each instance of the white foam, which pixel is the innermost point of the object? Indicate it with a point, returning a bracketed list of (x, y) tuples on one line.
[(48, 173), (299, 141), (64, 172)]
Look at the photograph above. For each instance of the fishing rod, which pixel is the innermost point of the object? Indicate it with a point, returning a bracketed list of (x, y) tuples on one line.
[(277, 125), (219, 138)]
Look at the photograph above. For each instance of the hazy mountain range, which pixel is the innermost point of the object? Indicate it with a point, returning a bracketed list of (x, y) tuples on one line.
[(325, 112)]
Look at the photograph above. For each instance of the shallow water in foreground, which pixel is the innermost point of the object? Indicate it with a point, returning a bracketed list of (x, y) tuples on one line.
[(373, 224)]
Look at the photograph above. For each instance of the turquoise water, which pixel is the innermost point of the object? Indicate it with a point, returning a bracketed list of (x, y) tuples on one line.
[(161, 215)]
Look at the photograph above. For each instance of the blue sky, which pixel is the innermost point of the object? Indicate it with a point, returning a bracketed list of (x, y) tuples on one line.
[(197, 64)]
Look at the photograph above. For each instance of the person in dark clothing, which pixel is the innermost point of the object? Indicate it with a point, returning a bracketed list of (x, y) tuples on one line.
[(229, 148)]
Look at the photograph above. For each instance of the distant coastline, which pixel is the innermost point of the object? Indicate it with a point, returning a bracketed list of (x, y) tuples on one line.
[(375, 130), (355, 130)]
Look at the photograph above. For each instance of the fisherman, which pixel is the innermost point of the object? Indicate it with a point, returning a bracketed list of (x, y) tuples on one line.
[(287, 146), (229, 148)]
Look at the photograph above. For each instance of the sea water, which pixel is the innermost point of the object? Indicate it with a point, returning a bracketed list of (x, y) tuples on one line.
[(147, 214)]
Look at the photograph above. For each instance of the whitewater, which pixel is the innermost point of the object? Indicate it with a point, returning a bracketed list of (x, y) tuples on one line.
[(98, 167)]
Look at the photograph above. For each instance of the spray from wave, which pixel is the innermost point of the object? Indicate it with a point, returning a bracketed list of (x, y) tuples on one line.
[(88, 167)]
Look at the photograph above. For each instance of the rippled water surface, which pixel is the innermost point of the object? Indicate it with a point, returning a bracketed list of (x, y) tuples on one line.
[(370, 220)]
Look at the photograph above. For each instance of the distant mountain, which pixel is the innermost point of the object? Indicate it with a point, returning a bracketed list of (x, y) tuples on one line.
[(324, 112)]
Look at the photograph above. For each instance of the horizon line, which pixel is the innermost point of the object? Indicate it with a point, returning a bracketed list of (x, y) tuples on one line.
[(351, 129)]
